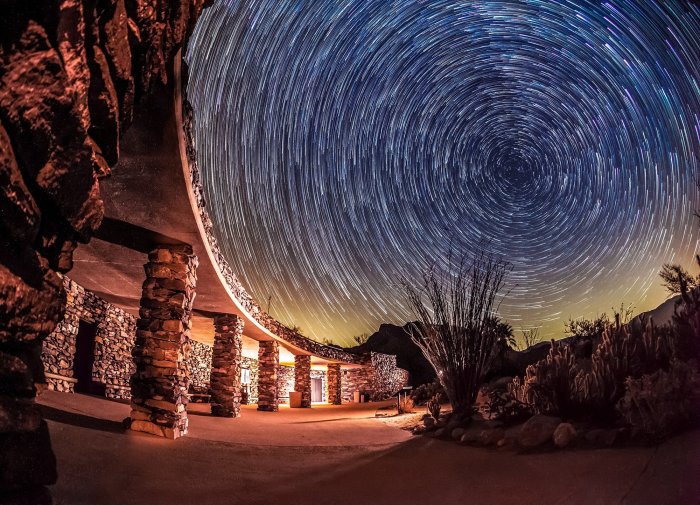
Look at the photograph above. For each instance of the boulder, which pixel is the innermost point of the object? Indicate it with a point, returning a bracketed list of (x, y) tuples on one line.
[(470, 437), (537, 430), (601, 437), (454, 423), (457, 433), (491, 436), (504, 442), (564, 435)]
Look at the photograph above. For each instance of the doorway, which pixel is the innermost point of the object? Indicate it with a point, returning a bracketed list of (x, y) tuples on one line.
[(85, 357), (316, 390)]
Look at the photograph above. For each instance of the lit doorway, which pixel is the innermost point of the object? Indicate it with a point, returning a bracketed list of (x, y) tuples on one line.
[(316, 390)]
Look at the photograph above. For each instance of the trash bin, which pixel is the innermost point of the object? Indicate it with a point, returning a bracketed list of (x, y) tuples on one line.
[(356, 397), (295, 399)]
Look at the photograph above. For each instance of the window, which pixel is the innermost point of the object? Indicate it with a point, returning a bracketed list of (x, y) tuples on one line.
[(245, 376)]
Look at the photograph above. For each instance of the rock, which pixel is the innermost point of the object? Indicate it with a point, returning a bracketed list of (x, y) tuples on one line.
[(428, 422), (537, 430), (440, 432), (602, 437), (491, 436), (457, 433), (504, 442), (564, 435), (470, 437), (452, 424)]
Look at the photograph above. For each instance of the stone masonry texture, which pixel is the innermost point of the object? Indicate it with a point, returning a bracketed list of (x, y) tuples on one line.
[(334, 384), (268, 362), (116, 331), (226, 366), (161, 381), (302, 378)]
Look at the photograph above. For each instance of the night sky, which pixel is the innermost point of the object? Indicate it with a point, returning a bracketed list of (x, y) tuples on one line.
[(345, 144)]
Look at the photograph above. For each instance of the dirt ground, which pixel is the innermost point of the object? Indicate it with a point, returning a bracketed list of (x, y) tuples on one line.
[(340, 455)]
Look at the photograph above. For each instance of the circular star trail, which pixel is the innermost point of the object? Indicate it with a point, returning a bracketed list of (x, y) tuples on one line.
[(345, 144)]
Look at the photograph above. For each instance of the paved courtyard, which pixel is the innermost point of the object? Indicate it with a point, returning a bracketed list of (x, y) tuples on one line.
[(339, 455)]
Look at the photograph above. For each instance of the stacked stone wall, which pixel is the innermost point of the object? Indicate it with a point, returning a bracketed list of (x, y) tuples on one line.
[(251, 365), (380, 378), (116, 328), (285, 383), (199, 364)]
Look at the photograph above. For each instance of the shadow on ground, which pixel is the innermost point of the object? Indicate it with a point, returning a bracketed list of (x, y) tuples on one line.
[(81, 420)]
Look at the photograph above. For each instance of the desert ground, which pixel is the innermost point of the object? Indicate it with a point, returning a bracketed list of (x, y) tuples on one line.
[(340, 455)]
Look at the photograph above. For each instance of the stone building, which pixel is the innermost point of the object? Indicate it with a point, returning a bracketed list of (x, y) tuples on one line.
[(90, 351), (97, 181)]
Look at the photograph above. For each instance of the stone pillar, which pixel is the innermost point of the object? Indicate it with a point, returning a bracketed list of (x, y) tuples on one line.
[(159, 385), (268, 362), (226, 366), (302, 378), (335, 395)]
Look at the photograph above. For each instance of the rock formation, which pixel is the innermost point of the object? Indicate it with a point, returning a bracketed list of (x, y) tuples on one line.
[(71, 74)]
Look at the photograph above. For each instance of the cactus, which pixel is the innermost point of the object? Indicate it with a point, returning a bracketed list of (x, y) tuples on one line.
[(660, 404), (434, 406), (547, 385), (559, 385)]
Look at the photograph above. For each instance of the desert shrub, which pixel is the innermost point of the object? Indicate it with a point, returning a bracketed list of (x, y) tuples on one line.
[(664, 402), (549, 386), (423, 393), (621, 353), (589, 329), (434, 406), (501, 405), (560, 385), (458, 332), (406, 404), (528, 338)]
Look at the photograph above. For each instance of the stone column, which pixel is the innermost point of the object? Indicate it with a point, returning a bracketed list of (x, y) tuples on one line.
[(268, 361), (302, 378), (226, 366), (159, 385), (335, 395)]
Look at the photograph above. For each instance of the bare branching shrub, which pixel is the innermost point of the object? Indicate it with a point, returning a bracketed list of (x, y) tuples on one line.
[(459, 329), (361, 339), (434, 406), (528, 338)]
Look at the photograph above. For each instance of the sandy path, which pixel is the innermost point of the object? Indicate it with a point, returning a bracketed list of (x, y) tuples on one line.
[(340, 456)]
